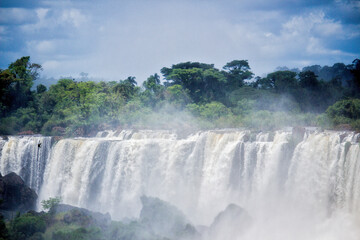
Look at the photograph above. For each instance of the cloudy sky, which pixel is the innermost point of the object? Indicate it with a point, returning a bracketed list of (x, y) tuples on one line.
[(115, 39)]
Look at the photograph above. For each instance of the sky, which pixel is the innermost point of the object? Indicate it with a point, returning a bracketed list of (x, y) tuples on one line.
[(112, 40)]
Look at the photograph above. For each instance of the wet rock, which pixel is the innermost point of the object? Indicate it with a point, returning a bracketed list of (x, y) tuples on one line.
[(15, 195), (298, 134), (233, 221), (165, 219), (82, 216)]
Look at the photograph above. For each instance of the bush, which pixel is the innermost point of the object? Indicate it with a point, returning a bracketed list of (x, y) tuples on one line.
[(50, 203), (345, 112), (27, 225), (78, 234), (347, 108), (4, 233)]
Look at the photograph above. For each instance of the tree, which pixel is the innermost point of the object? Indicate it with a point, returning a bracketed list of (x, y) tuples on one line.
[(153, 90), (308, 80), (236, 72), (349, 109), (41, 88), (185, 65), (127, 88), (25, 71), (354, 68), (177, 95), (153, 85), (16, 83), (50, 203), (203, 82), (280, 81), (7, 94)]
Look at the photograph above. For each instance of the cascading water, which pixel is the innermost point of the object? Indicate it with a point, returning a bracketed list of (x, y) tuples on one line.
[(26, 156), (306, 183)]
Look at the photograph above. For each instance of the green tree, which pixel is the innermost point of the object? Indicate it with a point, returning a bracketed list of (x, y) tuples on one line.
[(202, 81), (7, 94), (154, 91), (280, 81), (308, 80), (127, 88), (40, 88), (16, 83), (237, 71), (177, 95), (354, 68), (50, 203), (344, 111), (25, 74)]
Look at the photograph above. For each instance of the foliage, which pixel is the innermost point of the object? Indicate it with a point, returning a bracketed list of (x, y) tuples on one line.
[(193, 94), (50, 203), (209, 111), (4, 233), (237, 71), (177, 95), (345, 112), (25, 226), (78, 234)]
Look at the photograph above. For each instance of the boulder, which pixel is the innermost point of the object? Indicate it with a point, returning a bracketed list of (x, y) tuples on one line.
[(82, 216), (165, 220), (15, 195), (298, 134), (230, 223)]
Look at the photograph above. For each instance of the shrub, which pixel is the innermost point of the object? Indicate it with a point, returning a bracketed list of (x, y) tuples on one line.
[(27, 225)]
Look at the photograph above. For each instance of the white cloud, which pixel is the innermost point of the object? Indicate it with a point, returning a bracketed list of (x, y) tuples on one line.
[(41, 13), (314, 23), (73, 16), (45, 46), (51, 65), (144, 42), (115, 39)]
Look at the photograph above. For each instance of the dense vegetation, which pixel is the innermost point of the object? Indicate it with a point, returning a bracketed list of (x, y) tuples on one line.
[(158, 220), (192, 95)]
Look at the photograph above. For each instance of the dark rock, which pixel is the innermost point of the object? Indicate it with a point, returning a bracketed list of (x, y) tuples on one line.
[(233, 221), (104, 134), (37, 214), (4, 137), (15, 195), (298, 134), (342, 136), (189, 232), (165, 220), (82, 216), (247, 137)]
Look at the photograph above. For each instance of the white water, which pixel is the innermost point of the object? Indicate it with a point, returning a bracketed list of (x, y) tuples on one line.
[(294, 189), (23, 156)]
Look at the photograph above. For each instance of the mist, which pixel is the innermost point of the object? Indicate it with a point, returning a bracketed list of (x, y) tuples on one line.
[(238, 184)]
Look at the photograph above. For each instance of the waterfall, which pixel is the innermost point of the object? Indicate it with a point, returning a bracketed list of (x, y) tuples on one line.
[(282, 171), (26, 156)]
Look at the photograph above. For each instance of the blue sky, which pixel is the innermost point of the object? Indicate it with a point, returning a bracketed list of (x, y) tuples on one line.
[(111, 39)]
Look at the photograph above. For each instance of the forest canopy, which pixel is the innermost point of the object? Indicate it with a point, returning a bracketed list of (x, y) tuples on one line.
[(191, 95)]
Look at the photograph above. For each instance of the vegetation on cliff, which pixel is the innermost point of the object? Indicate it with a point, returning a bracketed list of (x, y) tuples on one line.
[(191, 95)]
